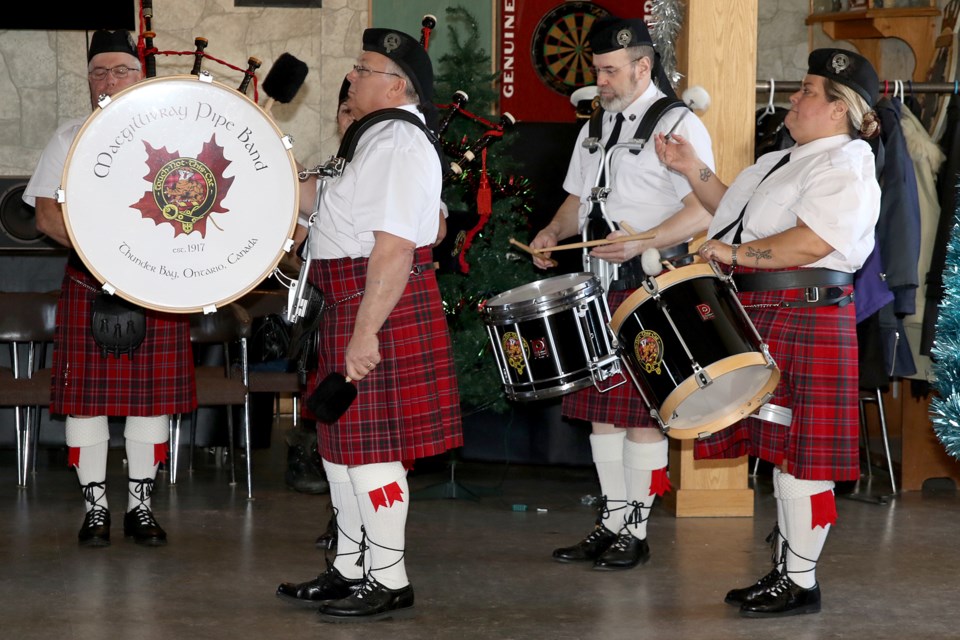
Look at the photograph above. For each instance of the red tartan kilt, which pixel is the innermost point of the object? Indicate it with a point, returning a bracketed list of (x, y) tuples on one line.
[(157, 380), (409, 406), (816, 352), (622, 406)]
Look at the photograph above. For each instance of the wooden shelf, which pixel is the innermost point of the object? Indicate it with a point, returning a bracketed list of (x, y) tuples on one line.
[(865, 28)]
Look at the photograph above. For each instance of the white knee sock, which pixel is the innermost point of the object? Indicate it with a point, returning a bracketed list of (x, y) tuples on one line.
[(89, 439), (804, 541), (384, 499), (607, 452), (142, 436), (640, 460), (781, 526), (348, 561)]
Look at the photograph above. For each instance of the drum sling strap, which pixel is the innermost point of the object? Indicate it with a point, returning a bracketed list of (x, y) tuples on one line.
[(348, 146), (631, 272)]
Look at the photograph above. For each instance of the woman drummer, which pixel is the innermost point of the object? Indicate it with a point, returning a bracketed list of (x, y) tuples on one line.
[(793, 228)]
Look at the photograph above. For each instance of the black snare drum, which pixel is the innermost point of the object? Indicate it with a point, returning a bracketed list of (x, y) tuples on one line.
[(550, 337)]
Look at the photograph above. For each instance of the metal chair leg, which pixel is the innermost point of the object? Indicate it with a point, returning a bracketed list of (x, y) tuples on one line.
[(886, 440), (865, 434)]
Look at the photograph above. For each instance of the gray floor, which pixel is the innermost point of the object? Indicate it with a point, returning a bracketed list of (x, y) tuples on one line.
[(480, 568)]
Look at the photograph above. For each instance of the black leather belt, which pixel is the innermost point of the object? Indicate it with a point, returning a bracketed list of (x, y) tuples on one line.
[(822, 287), (631, 274)]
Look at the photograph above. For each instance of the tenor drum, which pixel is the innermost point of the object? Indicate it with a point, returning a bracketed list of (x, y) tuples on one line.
[(180, 194), (550, 337), (693, 352)]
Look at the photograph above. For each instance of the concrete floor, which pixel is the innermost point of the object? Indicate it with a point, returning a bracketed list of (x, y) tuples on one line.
[(480, 568)]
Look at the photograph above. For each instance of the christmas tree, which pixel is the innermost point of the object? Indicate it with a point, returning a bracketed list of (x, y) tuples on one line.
[(945, 406), (488, 205)]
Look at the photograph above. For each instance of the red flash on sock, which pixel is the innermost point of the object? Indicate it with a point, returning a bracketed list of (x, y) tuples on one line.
[(823, 510), (73, 456), (386, 496), (660, 482), (160, 451)]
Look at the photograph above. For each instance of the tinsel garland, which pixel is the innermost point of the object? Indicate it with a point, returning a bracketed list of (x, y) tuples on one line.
[(665, 20), (945, 405)]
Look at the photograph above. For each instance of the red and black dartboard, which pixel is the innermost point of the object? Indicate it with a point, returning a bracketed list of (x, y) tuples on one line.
[(560, 51)]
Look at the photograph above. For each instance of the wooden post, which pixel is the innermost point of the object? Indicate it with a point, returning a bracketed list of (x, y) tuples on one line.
[(717, 49)]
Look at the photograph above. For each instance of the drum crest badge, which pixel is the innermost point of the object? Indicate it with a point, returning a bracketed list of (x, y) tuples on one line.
[(516, 350), (706, 313), (648, 349), (184, 191)]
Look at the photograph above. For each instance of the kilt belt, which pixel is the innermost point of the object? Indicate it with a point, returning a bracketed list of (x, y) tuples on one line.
[(822, 287)]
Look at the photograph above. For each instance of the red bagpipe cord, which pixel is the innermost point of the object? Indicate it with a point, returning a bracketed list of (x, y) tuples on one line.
[(484, 210), (823, 510), (660, 482), (386, 496)]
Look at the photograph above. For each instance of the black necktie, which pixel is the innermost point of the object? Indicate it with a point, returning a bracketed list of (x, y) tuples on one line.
[(739, 220), (612, 140)]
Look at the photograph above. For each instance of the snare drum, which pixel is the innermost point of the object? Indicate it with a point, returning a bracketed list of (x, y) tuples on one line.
[(180, 194), (693, 352), (550, 337)]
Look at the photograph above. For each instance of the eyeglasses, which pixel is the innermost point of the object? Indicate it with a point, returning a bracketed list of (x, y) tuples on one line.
[(610, 71), (119, 72), (364, 72)]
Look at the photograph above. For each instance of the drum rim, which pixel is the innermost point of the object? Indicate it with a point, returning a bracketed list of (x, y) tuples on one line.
[(563, 299), (215, 304), (736, 413), (664, 281)]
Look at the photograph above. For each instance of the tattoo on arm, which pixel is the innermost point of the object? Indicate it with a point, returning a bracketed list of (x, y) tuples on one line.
[(759, 254), (705, 174)]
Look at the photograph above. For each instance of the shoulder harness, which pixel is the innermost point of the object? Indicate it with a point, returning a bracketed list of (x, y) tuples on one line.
[(647, 123)]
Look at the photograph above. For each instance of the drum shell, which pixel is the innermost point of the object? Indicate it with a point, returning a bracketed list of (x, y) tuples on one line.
[(708, 320)]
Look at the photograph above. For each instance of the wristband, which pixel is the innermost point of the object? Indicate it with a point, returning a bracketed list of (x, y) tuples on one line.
[(733, 254)]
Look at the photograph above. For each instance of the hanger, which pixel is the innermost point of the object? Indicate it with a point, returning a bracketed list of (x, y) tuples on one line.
[(770, 109)]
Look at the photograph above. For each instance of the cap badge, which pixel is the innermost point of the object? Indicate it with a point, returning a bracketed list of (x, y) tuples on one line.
[(623, 37), (839, 62), (391, 42)]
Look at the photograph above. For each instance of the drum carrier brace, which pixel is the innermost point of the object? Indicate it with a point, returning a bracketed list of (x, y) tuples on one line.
[(298, 305), (628, 275)]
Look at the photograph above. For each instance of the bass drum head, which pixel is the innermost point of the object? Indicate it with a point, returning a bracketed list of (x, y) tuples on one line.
[(180, 194)]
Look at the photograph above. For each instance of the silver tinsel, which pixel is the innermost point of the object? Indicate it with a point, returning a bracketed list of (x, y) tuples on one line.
[(945, 407), (665, 20)]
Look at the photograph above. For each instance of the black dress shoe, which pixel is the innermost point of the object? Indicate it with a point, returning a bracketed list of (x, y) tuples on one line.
[(372, 601), (95, 531), (590, 548), (626, 553), (140, 525), (329, 585), (784, 598), (738, 596)]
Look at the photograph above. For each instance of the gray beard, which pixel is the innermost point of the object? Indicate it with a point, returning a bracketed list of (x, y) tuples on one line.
[(615, 105)]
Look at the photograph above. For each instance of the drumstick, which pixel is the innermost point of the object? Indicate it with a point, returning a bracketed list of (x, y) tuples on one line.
[(626, 227), (534, 252), (600, 243)]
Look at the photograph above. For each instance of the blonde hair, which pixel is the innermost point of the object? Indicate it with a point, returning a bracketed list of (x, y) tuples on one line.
[(862, 120)]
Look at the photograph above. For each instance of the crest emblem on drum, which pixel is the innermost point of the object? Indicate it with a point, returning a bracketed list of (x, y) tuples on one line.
[(706, 313), (648, 350), (516, 350), (185, 191)]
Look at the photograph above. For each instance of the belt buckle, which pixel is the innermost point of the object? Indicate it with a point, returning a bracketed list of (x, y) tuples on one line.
[(812, 294)]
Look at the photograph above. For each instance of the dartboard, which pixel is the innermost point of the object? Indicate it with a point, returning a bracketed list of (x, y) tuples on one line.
[(560, 51)]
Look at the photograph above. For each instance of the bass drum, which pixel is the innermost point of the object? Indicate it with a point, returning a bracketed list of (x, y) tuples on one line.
[(180, 194)]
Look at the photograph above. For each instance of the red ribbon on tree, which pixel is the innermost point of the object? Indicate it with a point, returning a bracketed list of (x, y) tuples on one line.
[(484, 210)]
